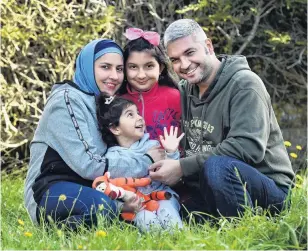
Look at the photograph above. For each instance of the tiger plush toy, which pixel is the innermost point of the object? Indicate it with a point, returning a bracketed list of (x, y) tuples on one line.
[(126, 188)]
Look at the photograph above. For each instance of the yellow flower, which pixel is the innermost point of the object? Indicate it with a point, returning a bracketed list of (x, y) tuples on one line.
[(28, 234), (298, 185), (79, 247), (62, 197), (287, 143), (293, 155), (298, 147), (100, 233), (299, 178), (21, 222), (101, 207), (60, 233)]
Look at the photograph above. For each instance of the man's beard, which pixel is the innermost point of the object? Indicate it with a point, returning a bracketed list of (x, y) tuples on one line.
[(204, 76), (205, 70)]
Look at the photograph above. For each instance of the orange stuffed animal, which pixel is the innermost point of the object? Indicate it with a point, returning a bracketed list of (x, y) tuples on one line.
[(125, 189)]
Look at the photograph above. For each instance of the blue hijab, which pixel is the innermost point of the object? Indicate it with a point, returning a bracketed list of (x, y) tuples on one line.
[(84, 74)]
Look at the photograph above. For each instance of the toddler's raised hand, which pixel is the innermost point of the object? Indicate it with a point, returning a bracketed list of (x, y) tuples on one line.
[(170, 141)]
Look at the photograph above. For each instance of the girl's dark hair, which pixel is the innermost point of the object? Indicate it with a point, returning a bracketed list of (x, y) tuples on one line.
[(167, 76), (108, 115)]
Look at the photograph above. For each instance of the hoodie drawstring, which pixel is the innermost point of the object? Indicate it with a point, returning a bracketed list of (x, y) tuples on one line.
[(185, 128), (142, 103), (202, 129)]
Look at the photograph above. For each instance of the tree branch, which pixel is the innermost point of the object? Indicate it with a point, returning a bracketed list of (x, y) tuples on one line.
[(223, 32), (299, 59), (251, 35), (258, 17), (293, 78)]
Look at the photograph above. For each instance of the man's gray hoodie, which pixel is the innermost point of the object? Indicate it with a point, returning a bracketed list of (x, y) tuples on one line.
[(233, 118)]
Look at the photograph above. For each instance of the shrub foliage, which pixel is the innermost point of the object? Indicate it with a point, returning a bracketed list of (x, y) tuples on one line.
[(40, 41)]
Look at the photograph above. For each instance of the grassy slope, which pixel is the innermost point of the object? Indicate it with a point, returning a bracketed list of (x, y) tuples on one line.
[(288, 231)]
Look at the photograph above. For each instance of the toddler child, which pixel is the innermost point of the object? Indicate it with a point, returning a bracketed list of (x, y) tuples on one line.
[(122, 129)]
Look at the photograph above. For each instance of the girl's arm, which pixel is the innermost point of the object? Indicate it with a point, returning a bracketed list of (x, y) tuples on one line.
[(128, 164), (141, 159)]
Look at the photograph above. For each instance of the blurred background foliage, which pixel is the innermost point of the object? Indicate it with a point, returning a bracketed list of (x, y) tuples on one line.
[(40, 41)]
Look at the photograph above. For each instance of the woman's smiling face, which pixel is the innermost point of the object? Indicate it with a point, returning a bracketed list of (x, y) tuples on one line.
[(108, 71)]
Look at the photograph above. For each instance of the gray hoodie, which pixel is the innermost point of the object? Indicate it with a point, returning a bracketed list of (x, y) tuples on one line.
[(233, 118), (141, 168)]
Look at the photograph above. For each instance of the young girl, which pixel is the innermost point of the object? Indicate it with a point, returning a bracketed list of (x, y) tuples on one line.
[(122, 129), (149, 82)]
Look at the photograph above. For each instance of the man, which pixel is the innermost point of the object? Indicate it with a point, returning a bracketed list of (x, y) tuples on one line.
[(234, 151)]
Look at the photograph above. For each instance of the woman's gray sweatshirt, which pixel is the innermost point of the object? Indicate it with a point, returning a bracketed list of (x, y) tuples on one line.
[(67, 145)]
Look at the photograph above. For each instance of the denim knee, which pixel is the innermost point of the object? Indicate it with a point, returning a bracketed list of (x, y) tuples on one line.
[(215, 171), (104, 204)]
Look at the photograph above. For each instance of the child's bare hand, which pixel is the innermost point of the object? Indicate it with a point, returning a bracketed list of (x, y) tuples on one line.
[(170, 141), (134, 205)]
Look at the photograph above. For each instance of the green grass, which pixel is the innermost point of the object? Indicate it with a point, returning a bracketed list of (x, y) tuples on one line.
[(254, 232)]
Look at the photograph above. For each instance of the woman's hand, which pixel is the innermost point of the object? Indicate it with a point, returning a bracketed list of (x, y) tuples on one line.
[(171, 142), (133, 205), (157, 153)]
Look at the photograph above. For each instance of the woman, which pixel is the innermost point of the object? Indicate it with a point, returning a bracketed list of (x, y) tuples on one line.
[(67, 152)]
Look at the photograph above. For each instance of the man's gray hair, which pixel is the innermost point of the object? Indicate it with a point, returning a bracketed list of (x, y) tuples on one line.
[(183, 28)]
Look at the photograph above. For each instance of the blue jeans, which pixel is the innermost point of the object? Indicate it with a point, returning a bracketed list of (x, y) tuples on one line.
[(73, 204), (228, 185)]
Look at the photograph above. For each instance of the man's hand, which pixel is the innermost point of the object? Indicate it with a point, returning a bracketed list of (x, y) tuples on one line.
[(171, 141), (157, 153), (167, 171)]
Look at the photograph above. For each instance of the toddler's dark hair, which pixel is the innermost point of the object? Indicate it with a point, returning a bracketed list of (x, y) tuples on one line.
[(167, 76), (108, 115)]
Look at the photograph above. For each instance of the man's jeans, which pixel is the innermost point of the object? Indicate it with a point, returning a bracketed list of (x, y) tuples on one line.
[(228, 185)]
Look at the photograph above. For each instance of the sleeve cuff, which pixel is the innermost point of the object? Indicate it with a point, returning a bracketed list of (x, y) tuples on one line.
[(189, 165), (174, 155), (149, 158)]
